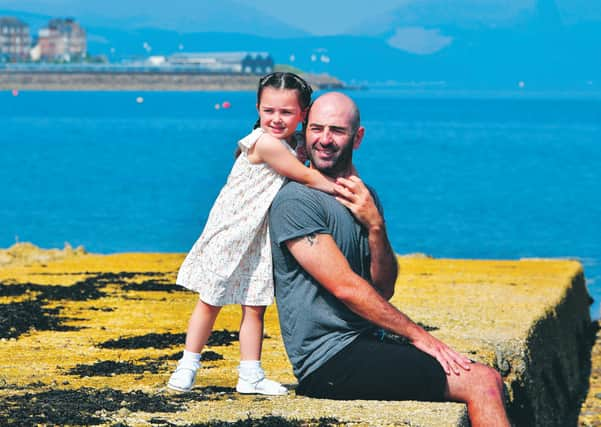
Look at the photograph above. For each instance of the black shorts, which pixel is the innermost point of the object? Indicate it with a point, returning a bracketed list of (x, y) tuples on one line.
[(370, 368)]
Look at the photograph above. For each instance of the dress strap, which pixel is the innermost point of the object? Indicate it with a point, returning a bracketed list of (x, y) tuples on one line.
[(251, 139)]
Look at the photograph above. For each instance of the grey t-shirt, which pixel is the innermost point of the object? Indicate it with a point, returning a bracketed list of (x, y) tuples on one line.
[(315, 325)]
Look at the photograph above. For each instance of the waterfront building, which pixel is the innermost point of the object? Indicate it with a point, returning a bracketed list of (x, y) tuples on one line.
[(63, 40), (15, 40), (228, 62)]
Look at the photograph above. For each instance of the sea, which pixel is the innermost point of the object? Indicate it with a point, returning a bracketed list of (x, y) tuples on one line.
[(482, 175)]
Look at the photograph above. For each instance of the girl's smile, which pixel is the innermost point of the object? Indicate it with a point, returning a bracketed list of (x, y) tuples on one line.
[(280, 112)]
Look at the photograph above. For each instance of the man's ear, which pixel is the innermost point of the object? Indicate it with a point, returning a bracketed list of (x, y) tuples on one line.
[(358, 137)]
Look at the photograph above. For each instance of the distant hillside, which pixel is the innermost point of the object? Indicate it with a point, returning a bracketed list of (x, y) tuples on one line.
[(539, 43), (34, 20), (184, 16), (567, 57)]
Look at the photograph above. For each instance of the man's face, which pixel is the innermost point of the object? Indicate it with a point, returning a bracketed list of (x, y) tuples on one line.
[(330, 136)]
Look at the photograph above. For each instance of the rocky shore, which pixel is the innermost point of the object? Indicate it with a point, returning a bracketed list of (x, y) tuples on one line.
[(100, 334), (147, 81)]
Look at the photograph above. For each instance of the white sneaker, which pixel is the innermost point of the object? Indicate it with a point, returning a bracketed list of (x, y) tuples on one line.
[(256, 383), (183, 377)]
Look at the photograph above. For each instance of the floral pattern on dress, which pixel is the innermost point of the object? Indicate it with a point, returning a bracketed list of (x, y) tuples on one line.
[(230, 263)]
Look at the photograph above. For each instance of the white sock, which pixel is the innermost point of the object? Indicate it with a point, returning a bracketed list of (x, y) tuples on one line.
[(191, 359), (249, 367)]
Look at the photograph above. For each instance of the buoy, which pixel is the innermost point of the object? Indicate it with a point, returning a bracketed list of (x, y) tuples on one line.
[(226, 104), (521, 84), (15, 92), (139, 100), (217, 106)]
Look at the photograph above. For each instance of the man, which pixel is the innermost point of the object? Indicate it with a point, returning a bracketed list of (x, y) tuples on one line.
[(335, 270)]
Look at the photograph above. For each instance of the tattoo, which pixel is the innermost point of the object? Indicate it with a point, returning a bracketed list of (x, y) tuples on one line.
[(311, 239)]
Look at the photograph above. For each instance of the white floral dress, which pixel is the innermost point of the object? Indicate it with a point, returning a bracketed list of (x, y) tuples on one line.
[(230, 263)]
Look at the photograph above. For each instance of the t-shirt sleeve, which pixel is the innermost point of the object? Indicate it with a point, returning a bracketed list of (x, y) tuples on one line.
[(377, 201), (295, 214)]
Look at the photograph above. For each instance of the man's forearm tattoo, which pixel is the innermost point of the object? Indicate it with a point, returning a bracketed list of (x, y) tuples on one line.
[(311, 239)]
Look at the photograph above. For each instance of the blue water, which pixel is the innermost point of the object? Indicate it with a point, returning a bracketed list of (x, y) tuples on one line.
[(470, 176)]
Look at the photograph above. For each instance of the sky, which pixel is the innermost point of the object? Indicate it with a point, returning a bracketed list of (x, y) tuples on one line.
[(330, 17), (325, 17)]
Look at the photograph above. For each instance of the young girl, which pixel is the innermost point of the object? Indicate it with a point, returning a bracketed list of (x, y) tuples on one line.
[(230, 263)]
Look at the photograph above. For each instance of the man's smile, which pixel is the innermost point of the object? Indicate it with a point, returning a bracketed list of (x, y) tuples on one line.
[(325, 153)]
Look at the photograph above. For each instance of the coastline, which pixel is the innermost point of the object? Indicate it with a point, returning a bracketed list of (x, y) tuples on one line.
[(147, 81), (122, 320)]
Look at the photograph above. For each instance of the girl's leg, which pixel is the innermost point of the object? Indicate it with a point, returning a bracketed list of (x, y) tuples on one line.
[(199, 329), (251, 376), (251, 332), (200, 326)]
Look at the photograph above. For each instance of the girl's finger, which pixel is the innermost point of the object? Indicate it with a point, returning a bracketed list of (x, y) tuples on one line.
[(346, 182), (342, 191)]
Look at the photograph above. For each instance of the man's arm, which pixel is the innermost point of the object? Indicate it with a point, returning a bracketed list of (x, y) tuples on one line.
[(353, 193), (319, 255)]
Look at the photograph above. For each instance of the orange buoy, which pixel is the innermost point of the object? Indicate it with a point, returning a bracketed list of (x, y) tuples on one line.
[(226, 104)]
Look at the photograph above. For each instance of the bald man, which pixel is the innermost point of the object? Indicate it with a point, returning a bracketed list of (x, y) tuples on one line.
[(334, 273)]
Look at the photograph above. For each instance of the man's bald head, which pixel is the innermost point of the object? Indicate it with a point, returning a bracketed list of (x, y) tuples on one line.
[(341, 102), (333, 132)]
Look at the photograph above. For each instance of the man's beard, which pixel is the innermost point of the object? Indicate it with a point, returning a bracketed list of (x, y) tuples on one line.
[(341, 163)]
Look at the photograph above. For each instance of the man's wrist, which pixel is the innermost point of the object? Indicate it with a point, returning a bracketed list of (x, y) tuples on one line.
[(415, 332), (376, 227)]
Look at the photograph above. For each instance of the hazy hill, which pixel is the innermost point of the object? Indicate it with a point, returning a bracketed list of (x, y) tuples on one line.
[(544, 43), (183, 16)]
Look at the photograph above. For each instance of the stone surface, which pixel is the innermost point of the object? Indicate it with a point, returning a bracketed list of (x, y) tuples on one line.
[(528, 319), (590, 413)]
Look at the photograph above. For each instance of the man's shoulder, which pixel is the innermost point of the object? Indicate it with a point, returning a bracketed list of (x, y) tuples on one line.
[(294, 198), (293, 190)]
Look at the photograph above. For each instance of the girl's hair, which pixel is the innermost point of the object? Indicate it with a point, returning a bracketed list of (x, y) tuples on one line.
[(284, 80)]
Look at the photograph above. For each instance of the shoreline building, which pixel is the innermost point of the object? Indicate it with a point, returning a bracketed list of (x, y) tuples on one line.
[(63, 40), (15, 39), (228, 62)]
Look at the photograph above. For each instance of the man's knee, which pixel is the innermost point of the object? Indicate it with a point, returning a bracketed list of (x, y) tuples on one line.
[(480, 382), (488, 381)]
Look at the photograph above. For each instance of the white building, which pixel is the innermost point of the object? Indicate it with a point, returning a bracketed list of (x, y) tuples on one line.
[(226, 62)]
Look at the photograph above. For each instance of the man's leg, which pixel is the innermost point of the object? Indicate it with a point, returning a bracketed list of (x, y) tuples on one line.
[(369, 368), (481, 388)]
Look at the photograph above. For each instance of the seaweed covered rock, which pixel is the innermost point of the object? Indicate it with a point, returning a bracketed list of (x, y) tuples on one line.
[(123, 325)]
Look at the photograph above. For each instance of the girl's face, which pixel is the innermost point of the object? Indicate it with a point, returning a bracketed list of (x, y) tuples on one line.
[(279, 112)]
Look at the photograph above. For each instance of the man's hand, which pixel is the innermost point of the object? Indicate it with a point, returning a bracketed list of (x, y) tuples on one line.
[(450, 360), (353, 194)]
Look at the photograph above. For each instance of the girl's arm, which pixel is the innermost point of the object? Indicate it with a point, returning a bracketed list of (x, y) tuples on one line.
[(271, 151)]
